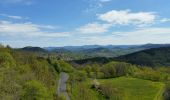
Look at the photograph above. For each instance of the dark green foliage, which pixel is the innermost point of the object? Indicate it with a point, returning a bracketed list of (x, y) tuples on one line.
[(150, 57), (33, 49), (99, 60)]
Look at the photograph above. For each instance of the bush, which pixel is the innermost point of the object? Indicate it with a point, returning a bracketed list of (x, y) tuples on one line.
[(64, 66), (116, 69), (35, 90), (78, 76), (151, 74), (6, 60), (18, 68)]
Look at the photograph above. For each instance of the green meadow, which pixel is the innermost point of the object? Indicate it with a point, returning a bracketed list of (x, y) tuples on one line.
[(132, 89), (137, 89)]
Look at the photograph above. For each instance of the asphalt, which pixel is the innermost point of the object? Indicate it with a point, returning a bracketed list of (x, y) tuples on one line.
[(62, 86)]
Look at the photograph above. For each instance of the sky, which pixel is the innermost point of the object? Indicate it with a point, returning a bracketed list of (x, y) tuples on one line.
[(47, 23)]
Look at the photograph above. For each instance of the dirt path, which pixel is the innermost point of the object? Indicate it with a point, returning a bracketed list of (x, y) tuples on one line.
[(62, 86)]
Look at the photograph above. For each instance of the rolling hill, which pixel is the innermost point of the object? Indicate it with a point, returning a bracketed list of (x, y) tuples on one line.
[(33, 49), (148, 57), (92, 51), (151, 57)]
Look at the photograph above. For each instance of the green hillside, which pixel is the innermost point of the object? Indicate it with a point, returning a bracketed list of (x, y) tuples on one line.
[(30, 76), (137, 89), (125, 88), (150, 57), (24, 76)]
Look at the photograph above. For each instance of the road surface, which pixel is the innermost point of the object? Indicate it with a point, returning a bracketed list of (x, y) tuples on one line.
[(62, 86)]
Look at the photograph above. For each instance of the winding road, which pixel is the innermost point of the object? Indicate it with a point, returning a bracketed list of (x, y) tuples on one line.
[(62, 86)]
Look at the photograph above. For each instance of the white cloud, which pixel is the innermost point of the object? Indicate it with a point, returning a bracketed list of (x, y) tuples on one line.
[(140, 36), (105, 0), (165, 20), (146, 32), (28, 29), (145, 35), (26, 2), (94, 5), (15, 17), (12, 16), (93, 28), (126, 17)]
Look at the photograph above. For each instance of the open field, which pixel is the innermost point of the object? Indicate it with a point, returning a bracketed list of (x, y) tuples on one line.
[(82, 91), (137, 89), (133, 89)]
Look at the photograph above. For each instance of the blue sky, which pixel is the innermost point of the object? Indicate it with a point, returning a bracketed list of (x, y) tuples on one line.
[(83, 22)]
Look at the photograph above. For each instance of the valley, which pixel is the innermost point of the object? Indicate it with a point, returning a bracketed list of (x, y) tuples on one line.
[(36, 73)]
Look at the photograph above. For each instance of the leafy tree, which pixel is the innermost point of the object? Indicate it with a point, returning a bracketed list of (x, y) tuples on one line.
[(6, 60), (35, 90), (64, 66)]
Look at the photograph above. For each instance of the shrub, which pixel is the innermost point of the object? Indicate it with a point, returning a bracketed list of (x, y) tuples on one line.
[(78, 76), (64, 66), (35, 90), (6, 60), (116, 69)]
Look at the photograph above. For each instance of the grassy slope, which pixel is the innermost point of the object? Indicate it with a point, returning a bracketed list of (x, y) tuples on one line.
[(137, 89), (82, 91)]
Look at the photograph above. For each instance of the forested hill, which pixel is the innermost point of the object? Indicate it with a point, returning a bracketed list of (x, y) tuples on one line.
[(33, 49), (151, 57), (99, 60), (24, 76)]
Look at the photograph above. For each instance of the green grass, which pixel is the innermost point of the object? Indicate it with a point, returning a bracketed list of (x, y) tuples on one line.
[(133, 89), (83, 91), (137, 89)]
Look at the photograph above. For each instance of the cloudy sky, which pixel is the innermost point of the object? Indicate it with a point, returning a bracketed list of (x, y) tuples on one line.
[(83, 22)]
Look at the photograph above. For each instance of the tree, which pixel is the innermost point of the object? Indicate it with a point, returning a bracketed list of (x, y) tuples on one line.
[(6, 60), (35, 90)]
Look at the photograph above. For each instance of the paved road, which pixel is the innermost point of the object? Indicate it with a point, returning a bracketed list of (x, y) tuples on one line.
[(62, 86)]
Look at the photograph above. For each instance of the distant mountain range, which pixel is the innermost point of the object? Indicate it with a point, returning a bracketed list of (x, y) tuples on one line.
[(154, 57), (109, 47), (90, 51), (93, 51)]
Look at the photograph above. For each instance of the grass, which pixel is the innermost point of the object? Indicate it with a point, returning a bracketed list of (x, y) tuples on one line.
[(83, 91), (137, 89), (133, 88)]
